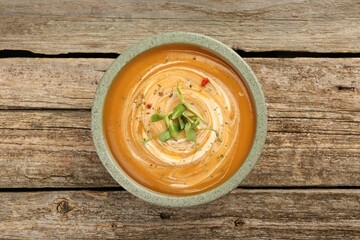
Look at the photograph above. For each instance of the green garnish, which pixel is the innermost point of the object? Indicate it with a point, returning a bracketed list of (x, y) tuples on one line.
[(181, 123), (178, 111), (196, 123), (216, 132), (188, 117), (186, 104), (173, 129), (167, 121), (189, 132), (182, 118), (157, 117), (165, 136), (179, 93)]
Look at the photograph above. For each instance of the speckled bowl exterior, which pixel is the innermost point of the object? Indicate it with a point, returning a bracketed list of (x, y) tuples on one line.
[(110, 163)]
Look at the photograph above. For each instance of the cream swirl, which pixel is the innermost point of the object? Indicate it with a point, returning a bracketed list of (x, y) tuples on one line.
[(214, 102), (177, 166)]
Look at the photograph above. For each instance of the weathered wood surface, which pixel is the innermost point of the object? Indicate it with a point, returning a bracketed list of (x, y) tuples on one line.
[(87, 26), (54, 149), (307, 87), (313, 106), (313, 139), (50, 82), (243, 214)]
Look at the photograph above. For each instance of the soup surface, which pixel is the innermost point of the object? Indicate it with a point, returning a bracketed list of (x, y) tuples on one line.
[(147, 85)]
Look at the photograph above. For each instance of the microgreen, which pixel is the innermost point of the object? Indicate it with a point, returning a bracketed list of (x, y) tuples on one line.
[(178, 111), (216, 132), (173, 129), (157, 117), (189, 132), (167, 121), (182, 118), (195, 123), (181, 123), (165, 136), (186, 104)]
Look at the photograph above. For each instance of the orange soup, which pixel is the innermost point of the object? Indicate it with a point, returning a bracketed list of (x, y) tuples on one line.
[(148, 85)]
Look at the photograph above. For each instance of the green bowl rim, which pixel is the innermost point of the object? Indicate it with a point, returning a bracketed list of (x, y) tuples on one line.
[(225, 53)]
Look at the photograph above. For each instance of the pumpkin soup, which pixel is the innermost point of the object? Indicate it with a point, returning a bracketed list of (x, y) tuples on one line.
[(179, 120)]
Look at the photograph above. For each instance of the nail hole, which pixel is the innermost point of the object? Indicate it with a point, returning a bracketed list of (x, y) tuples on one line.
[(113, 225), (345, 88), (164, 216)]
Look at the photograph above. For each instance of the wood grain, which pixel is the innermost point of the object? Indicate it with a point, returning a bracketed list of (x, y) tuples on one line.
[(293, 86), (54, 149), (313, 107), (243, 214), (49, 82), (313, 139), (54, 27)]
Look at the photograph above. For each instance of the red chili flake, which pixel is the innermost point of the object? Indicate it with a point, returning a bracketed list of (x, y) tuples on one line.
[(148, 106), (204, 82)]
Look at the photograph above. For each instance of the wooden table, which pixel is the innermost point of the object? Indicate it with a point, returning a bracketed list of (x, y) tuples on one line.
[(306, 54)]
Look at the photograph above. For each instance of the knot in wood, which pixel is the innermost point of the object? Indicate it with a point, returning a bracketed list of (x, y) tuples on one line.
[(63, 207), (239, 222)]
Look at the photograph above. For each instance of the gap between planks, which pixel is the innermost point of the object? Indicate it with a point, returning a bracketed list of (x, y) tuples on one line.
[(269, 54), (244, 188), (244, 214)]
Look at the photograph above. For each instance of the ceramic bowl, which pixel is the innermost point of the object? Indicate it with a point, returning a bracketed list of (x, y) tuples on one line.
[(222, 51)]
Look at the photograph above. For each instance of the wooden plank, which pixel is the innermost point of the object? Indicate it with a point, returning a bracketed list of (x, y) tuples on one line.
[(54, 149), (49, 149), (49, 83), (293, 86), (243, 214), (110, 26), (313, 123)]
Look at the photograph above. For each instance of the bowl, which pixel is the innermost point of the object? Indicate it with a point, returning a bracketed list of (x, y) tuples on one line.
[(217, 48)]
